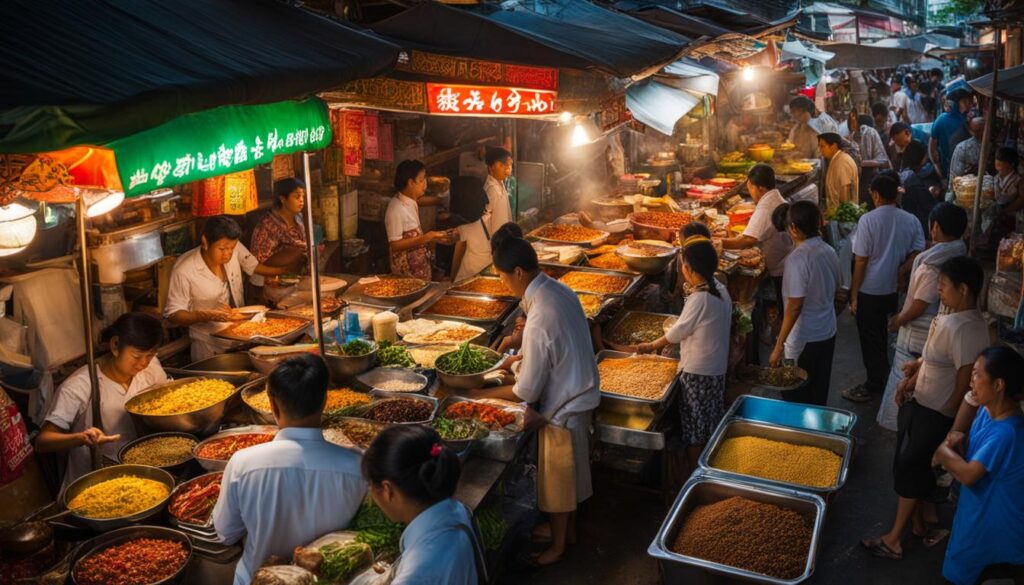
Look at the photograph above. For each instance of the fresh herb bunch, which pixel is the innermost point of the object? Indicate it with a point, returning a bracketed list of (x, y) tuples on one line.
[(355, 348), (465, 360), (459, 429), (389, 354), (849, 212)]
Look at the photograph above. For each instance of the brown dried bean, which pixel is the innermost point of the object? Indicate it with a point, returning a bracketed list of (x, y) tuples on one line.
[(400, 410)]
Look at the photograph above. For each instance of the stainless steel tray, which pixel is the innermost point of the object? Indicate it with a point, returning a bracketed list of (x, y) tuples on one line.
[(219, 464), (631, 286), (840, 445), (702, 490), (612, 397), (823, 419), (385, 396), (284, 338), (498, 445), (627, 437), (618, 319), (427, 314), (400, 300), (597, 241), (206, 528), (454, 289), (606, 302), (233, 367)]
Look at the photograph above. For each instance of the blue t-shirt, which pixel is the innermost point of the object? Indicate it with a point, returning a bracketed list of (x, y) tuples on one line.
[(989, 525), (949, 129)]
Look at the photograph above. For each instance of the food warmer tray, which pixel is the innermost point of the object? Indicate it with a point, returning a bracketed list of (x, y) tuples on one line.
[(399, 300), (633, 422), (611, 401), (597, 241), (498, 445), (840, 445), (380, 396), (284, 338), (556, 271), (823, 419), (701, 490), (509, 308), (614, 323), (204, 529), (606, 302), (453, 290), (213, 465)]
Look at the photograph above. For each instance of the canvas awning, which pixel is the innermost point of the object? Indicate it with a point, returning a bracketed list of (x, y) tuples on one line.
[(93, 72), (660, 106), (1011, 84), (854, 56)]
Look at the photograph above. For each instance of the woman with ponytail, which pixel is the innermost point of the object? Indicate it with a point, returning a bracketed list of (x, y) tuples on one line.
[(702, 332), (412, 477)]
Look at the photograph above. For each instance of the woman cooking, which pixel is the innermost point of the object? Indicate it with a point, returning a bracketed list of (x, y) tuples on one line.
[(206, 284), (409, 246), (129, 368), (279, 238)]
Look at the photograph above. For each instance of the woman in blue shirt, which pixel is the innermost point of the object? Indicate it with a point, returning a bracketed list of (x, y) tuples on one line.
[(989, 525), (412, 478)]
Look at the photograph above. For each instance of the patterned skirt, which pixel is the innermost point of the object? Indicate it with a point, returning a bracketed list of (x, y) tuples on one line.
[(701, 406)]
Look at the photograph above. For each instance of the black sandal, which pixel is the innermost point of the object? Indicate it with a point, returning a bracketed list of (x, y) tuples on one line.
[(877, 547)]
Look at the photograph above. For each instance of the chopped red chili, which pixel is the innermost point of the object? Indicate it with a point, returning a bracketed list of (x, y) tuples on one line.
[(136, 562)]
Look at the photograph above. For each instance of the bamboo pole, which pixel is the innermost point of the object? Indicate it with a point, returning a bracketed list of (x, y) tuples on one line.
[(986, 144), (90, 350), (314, 256)]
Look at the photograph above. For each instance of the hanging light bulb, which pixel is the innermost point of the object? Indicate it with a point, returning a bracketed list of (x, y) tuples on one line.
[(17, 228), (565, 118), (748, 73), (100, 201)]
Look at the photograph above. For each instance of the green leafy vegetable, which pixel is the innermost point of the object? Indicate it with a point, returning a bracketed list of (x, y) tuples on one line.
[(355, 348), (466, 360), (389, 354), (849, 212), (375, 529), (492, 526), (459, 429), (341, 561)]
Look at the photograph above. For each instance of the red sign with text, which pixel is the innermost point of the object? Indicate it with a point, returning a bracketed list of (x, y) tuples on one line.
[(474, 100)]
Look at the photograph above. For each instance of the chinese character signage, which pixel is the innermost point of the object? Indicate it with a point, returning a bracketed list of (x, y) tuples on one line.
[(474, 71), (473, 100), (216, 142)]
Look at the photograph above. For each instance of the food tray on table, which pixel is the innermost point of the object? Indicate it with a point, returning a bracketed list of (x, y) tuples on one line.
[(595, 305), (701, 490), (560, 233), (197, 421), (839, 445), (650, 326), (387, 405), (468, 309), (469, 380), (330, 307), (279, 326), (499, 444), (598, 281), (442, 332), (211, 464), (484, 286), (351, 432), (97, 545), (782, 378), (145, 507), (658, 225), (202, 486), (393, 290), (664, 392), (378, 380), (823, 419)]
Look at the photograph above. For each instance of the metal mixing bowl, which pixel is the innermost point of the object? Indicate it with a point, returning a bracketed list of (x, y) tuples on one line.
[(172, 469), (344, 368), (220, 464), (198, 422), (648, 264), (468, 381), (112, 538), (115, 471)]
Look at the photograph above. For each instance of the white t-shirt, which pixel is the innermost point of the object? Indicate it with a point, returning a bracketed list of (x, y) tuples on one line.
[(900, 101), (402, 215), (499, 210), (916, 110), (774, 244), (702, 332), (478, 249), (886, 236), (955, 341), (811, 273), (924, 286), (70, 410), (194, 287)]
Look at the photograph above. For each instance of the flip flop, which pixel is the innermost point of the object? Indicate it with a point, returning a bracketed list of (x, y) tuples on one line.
[(877, 547), (933, 536)]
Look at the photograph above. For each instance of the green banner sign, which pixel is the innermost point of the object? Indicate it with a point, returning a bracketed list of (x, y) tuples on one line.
[(216, 142)]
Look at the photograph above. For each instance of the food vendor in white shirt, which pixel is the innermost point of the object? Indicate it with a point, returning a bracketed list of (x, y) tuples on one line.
[(206, 284), (295, 488), (759, 231), (559, 375), (412, 477), (408, 245), (473, 250), (129, 368), (499, 169)]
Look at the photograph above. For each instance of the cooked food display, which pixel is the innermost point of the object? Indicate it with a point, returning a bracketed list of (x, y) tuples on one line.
[(389, 354), (160, 451), (591, 304), (328, 305), (779, 461), (428, 354), (754, 536), (484, 286), (393, 287), (662, 219), (139, 561), (222, 449), (602, 284), (459, 429), (425, 331), (466, 360), (194, 504), (399, 410), (338, 400), (494, 418), (563, 232), (352, 433), (639, 377), (645, 250), (271, 327), (118, 497), (468, 308), (397, 385), (189, 397), (608, 262), (354, 348), (638, 328), (750, 257), (781, 377)]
